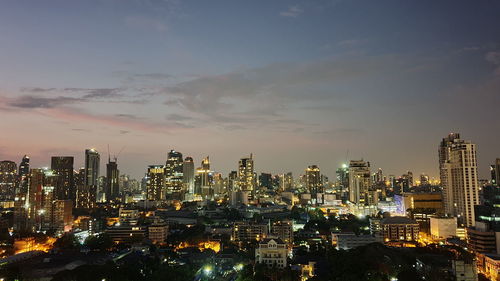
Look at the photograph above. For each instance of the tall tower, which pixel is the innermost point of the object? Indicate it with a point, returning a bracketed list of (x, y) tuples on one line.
[(65, 185), (188, 175), (313, 181), (24, 171), (359, 181), (112, 187), (174, 172), (459, 178), (246, 175), (155, 182), (86, 197), (8, 180)]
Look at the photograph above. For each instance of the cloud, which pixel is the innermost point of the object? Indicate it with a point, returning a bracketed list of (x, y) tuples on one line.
[(493, 57), (178, 117), (291, 12), (40, 102)]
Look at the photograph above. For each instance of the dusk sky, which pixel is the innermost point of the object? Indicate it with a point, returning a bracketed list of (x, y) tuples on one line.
[(295, 83)]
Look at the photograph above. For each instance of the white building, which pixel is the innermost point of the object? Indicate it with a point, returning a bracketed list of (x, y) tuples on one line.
[(459, 178), (272, 252), (442, 228)]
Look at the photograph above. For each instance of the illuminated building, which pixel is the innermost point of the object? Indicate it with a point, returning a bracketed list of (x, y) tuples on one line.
[(443, 227), (188, 175), (219, 184), (204, 179), (155, 183), (8, 180), (399, 229), (87, 195), (157, 232), (58, 215), (248, 231), (497, 171), (126, 233), (112, 186), (424, 179), (246, 175), (272, 252), (232, 183), (21, 213), (286, 181), (283, 230), (174, 172), (65, 185), (40, 197), (24, 171), (458, 173), (359, 181), (313, 182), (342, 175)]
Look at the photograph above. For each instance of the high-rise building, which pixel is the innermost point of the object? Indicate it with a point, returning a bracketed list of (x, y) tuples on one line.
[(232, 181), (459, 178), (40, 196), (155, 183), (313, 181), (87, 195), (246, 175), (174, 172), (8, 180), (359, 181), (204, 179), (65, 185), (24, 170), (188, 175), (497, 171), (343, 176), (112, 186), (265, 180), (287, 181)]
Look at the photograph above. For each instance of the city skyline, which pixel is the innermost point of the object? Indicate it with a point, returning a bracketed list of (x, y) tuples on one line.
[(298, 83)]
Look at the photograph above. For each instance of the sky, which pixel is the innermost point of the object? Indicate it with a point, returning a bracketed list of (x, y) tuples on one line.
[(295, 83)]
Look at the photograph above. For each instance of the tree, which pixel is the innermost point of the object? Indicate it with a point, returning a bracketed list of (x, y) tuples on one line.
[(101, 242), (67, 241)]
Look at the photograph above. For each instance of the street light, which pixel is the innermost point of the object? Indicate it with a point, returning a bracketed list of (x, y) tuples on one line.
[(207, 269)]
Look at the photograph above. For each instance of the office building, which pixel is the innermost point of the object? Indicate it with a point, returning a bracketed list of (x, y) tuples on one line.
[(399, 229), (8, 180), (174, 172), (112, 185), (188, 175), (246, 175), (459, 178), (249, 231), (87, 194), (359, 181), (443, 227), (65, 186), (155, 183), (313, 182), (283, 230)]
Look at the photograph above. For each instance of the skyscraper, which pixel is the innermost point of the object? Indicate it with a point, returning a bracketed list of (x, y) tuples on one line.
[(188, 175), (155, 183), (112, 186), (24, 170), (459, 178), (8, 180), (497, 171), (65, 185), (246, 175), (359, 181), (87, 195), (313, 181), (174, 172), (204, 179)]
